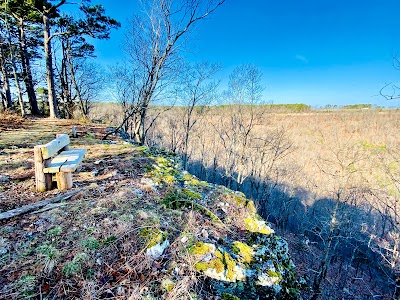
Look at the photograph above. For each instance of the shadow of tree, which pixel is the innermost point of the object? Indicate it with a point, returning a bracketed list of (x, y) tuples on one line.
[(305, 219)]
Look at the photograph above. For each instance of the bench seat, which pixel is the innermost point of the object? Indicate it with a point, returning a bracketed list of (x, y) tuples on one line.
[(66, 161)]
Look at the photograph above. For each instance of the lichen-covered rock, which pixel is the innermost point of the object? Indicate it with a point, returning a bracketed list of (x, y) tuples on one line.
[(240, 256)]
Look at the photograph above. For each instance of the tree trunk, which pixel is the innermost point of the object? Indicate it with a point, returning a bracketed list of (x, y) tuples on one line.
[(3, 100), (66, 94), (6, 83), (142, 127), (26, 69), (17, 86), (49, 68), (14, 68), (140, 132), (185, 148), (16, 78), (82, 106)]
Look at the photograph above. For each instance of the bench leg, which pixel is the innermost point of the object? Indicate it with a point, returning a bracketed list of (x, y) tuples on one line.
[(64, 181), (42, 181)]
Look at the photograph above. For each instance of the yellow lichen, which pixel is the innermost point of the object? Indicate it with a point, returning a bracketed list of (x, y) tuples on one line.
[(245, 251), (218, 254), (251, 207), (202, 249), (255, 225), (273, 273), (216, 264), (167, 284), (162, 160), (230, 266), (151, 236), (240, 199)]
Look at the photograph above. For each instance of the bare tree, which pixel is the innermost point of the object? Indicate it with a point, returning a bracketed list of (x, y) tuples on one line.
[(385, 241), (236, 129), (391, 91), (336, 221), (195, 95), (154, 44)]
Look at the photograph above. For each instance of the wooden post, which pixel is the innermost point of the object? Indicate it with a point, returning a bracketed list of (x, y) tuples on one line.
[(42, 180), (64, 180)]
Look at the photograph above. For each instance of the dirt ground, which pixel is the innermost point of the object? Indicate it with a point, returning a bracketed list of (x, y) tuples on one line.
[(35, 245)]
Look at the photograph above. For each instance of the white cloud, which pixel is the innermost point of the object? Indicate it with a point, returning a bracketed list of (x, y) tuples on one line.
[(301, 58)]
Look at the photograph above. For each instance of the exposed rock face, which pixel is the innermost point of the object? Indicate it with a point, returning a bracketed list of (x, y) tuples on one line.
[(237, 252)]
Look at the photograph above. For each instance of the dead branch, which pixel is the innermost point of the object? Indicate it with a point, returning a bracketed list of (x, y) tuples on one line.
[(31, 207)]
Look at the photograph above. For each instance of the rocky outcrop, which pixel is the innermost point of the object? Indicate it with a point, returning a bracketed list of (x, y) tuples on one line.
[(237, 252)]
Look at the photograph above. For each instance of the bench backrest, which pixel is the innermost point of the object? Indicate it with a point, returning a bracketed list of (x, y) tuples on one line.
[(53, 147)]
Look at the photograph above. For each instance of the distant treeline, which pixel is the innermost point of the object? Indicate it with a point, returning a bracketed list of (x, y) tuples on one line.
[(284, 108)]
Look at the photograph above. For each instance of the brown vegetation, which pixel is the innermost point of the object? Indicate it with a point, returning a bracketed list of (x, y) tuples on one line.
[(329, 177)]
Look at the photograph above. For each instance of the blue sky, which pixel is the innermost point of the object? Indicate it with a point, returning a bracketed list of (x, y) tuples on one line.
[(314, 52)]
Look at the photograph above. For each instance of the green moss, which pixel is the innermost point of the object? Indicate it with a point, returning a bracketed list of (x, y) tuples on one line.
[(109, 240), (187, 177), (197, 183), (54, 231), (90, 243), (227, 296), (71, 268), (230, 266), (173, 199), (192, 194), (75, 266), (272, 273), (168, 178), (164, 171), (26, 286), (176, 199), (141, 149), (151, 236), (162, 161), (245, 251), (48, 251), (219, 255)]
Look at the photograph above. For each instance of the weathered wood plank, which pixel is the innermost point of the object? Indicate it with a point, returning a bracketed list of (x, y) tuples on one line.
[(51, 148), (30, 207), (48, 207), (66, 161)]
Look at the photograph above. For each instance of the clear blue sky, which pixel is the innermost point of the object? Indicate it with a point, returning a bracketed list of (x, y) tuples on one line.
[(312, 51)]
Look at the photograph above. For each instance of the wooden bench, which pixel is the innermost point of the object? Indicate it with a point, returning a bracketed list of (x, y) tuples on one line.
[(55, 157)]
